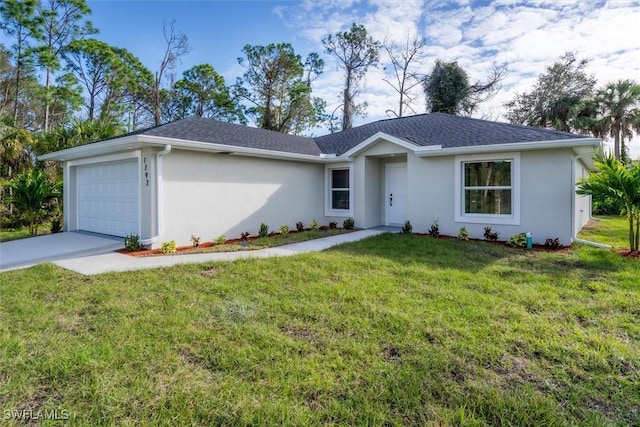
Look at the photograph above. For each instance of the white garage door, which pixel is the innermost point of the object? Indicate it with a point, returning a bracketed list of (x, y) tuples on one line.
[(108, 198)]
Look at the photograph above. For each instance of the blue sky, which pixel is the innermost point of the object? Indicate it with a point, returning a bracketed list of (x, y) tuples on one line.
[(524, 35)]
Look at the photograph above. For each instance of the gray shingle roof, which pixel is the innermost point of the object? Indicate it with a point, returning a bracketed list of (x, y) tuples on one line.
[(440, 129), (421, 130), (213, 131)]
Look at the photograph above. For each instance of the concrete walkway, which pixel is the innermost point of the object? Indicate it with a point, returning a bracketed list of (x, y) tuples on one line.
[(52, 247), (114, 261)]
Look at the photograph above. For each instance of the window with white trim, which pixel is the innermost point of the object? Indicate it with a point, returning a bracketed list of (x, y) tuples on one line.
[(339, 190), (488, 189)]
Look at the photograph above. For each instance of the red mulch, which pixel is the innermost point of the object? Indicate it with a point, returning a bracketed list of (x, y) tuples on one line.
[(539, 248), (190, 248), (628, 254)]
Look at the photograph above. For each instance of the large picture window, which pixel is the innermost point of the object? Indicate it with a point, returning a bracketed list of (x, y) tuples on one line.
[(488, 187), (340, 193)]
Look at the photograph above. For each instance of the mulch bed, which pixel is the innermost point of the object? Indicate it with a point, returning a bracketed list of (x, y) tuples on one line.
[(628, 254), (182, 250), (535, 247)]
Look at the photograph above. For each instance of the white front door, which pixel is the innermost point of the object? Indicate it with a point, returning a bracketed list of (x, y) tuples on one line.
[(396, 193), (108, 198)]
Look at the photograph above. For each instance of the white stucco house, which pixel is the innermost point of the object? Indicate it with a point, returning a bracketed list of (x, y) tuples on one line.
[(207, 178)]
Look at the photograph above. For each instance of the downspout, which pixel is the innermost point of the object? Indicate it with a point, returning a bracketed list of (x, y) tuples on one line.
[(574, 233), (159, 228)]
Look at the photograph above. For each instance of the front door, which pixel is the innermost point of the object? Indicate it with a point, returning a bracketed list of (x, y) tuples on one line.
[(396, 193)]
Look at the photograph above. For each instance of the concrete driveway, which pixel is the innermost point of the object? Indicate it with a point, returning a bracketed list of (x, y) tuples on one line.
[(55, 247)]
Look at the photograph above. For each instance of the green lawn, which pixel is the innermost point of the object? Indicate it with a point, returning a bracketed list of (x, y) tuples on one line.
[(19, 233), (393, 330)]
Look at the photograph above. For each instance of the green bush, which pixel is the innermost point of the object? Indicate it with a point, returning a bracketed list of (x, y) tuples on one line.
[(333, 225), (169, 247), (407, 228), (132, 243), (463, 234), (263, 231), (348, 224), (284, 230), (220, 240), (518, 240), (314, 225)]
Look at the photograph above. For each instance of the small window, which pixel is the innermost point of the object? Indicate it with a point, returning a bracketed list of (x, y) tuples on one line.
[(488, 187), (340, 193)]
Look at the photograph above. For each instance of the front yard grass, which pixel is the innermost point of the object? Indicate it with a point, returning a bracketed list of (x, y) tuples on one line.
[(392, 330)]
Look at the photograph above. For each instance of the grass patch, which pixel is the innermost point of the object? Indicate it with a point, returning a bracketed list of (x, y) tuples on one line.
[(392, 330), (21, 233)]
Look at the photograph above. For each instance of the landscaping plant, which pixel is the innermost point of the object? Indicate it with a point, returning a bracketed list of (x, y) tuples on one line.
[(463, 234), (552, 244), (169, 247), (518, 240), (195, 241), (220, 240), (491, 236), (407, 228), (284, 230), (348, 224), (314, 225), (299, 226), (434, 230), (132, 243), (263, 231)]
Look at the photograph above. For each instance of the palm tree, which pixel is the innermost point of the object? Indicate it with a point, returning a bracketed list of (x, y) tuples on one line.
[(620, 182), (34, 194), (616, 103)]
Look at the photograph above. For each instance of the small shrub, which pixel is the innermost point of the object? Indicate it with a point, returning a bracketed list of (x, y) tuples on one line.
[(463, 234), (169, 247), (348, 224), (244, 236), (132, 243), (552, 244), (314, 225), (284, 230), (299, 226), (263, 231), (220, 240), (407, 228), (518, 240), (56, 226), (195, 241), (434, 230), (333, 225), (490, 236)]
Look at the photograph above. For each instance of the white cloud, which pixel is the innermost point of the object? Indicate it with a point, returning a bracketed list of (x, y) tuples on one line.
[(525, 35)]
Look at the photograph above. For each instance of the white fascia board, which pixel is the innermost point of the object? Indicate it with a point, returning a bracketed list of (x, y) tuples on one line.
[(138, 141), (518, 146), (94, 149), (372, 140)]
